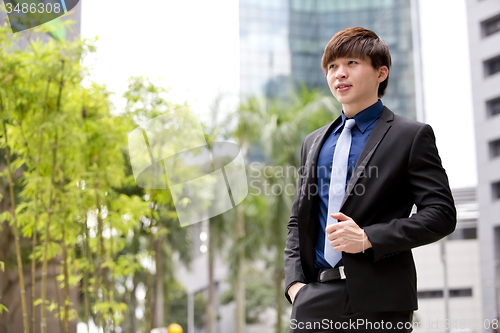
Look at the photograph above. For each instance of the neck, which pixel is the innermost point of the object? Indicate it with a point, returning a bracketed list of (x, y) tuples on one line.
[(350, 110)]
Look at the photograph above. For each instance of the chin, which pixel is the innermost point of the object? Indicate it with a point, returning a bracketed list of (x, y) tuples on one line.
[(342, 100)]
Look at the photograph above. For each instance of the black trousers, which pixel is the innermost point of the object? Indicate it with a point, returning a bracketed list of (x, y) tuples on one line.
[(325, 307)]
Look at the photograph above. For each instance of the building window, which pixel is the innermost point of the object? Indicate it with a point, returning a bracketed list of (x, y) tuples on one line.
[(492, 66), (439, 293), (430, 294), (465, 292), (495, 188), (490, 26), (463, 233), (493, 107), (494, 148)]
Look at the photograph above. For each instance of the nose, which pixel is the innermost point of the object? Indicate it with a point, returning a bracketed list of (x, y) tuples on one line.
[(341, 72)]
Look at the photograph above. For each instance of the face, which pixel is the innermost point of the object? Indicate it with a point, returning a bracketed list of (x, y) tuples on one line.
[(354, 83)]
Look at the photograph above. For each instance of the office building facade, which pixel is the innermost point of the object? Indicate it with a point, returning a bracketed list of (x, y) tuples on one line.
[(449, 285), (282, 42), (484, 40)]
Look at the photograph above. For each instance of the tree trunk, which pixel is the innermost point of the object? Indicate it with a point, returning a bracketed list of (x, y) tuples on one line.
[(86, 248), (43, 323), (279, 273), (18, 255), (37, 216), (159, 318), (15, 226), (102, 271), (211, 309), (56, 289), (111, 288), (133, 305), (86, 255), (33, 267), (149, 276), (240, 279), (278, 279), (66, 278)]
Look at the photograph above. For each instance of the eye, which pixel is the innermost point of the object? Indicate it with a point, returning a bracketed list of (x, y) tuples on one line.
[(353, 62), (332, 66)]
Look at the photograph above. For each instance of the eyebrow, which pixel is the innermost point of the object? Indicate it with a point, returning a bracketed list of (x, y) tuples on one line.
[(347, 58)]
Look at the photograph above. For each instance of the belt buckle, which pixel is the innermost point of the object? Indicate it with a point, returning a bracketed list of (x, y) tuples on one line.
[(342, 274)]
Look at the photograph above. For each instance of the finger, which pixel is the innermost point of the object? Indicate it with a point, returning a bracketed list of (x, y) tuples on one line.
[(331, 228), (332, 237), (340, 216), (336, 246), (335, 227)]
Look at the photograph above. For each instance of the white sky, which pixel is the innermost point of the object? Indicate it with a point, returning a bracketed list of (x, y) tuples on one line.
[(190, 46), (447, 87), (193, 46)]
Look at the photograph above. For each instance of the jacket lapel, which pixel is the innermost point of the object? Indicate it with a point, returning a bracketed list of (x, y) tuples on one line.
[(376, 136), (312, 162), (319, 140)]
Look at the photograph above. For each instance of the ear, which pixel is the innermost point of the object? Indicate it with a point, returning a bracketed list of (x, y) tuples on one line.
[(383, 73)]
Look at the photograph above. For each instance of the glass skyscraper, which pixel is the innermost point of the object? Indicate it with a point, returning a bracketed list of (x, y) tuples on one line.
[(282, 42), (265, 61)]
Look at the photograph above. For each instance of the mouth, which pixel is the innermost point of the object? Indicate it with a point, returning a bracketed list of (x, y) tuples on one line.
[(343, 87)]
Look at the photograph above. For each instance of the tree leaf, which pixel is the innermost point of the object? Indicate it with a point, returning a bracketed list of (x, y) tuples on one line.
[(5, 216), (3, 308)]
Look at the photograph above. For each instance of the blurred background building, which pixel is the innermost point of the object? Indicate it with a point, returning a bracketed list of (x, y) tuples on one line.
[(462, 278), (484, 41), (282, 42)]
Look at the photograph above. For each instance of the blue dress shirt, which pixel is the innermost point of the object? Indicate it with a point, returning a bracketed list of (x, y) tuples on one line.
[(365, 122)]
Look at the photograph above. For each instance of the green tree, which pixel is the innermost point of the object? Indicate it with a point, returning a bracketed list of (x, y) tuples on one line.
[(73, 205), (146, 102)]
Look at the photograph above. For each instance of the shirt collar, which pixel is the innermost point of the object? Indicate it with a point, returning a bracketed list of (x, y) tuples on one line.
[(364, 118)]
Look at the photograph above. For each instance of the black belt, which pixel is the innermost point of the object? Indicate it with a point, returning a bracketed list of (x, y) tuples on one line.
[(329, 274)]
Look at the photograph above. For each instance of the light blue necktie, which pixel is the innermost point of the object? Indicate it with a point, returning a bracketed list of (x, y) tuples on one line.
[(337, 186)]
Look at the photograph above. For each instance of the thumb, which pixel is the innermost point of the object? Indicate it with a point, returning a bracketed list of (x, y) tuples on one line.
[(340, 216)]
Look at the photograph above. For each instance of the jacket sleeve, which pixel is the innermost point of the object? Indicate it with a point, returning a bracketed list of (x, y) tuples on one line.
[(436, 213), (293, 266)]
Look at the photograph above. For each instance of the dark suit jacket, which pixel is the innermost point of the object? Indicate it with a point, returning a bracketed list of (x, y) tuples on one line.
[(398, 167)]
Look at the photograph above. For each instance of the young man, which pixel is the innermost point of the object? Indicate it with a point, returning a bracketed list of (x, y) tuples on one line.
[(348, 259)]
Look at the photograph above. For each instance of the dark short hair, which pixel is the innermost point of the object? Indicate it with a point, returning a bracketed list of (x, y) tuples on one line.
[(359, 43)]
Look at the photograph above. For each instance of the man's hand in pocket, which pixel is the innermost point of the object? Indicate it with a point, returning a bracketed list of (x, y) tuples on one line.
[(294, 289)]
